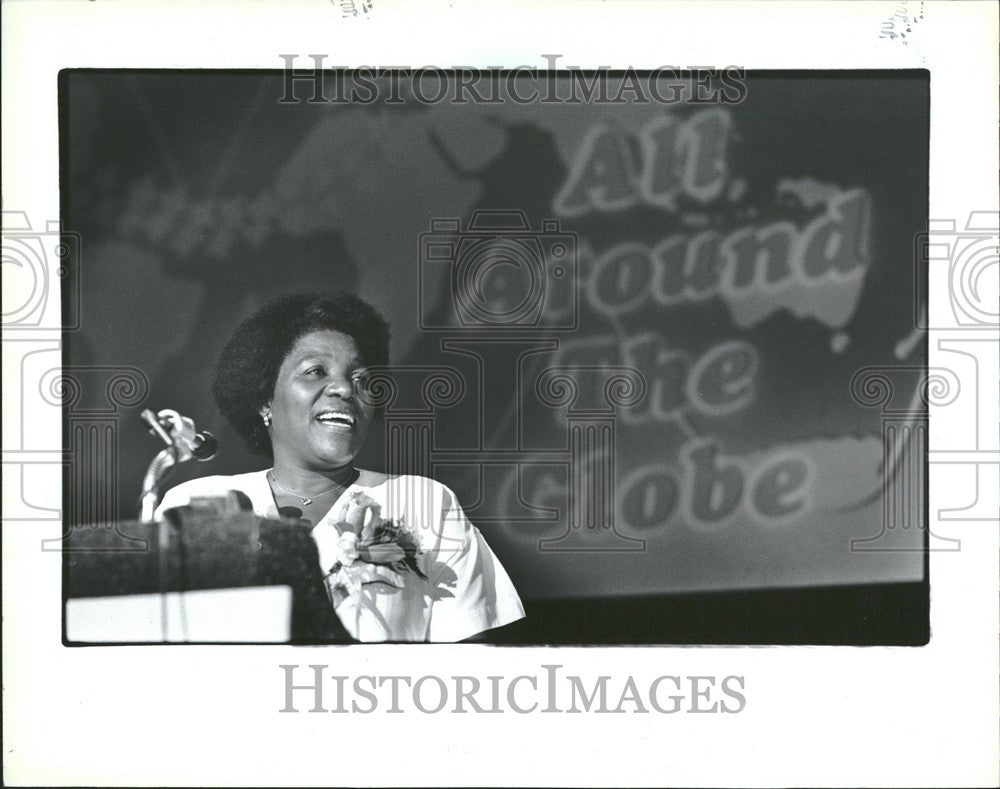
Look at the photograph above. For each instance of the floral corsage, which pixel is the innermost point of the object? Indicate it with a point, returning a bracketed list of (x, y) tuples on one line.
[(377, 550)]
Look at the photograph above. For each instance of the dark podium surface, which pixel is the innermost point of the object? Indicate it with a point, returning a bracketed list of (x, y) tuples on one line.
[(203, 552)]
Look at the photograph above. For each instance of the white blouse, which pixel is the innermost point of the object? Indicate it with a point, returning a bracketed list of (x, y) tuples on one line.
[(466, 590)]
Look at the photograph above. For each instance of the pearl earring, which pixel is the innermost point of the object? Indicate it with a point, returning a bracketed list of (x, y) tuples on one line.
[(267, 419)]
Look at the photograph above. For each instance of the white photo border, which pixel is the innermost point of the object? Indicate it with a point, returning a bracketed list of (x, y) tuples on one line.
[(209, 715)]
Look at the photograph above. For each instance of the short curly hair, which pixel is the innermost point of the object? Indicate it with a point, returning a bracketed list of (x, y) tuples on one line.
[(248, 367)]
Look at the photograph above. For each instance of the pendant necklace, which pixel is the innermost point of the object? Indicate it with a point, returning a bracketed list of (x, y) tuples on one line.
[(307, 500)]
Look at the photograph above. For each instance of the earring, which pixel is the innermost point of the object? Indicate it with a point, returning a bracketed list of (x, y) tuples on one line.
[(267, 419)]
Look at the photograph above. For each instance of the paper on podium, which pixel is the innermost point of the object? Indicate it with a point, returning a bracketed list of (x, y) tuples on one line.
[(260, 614)]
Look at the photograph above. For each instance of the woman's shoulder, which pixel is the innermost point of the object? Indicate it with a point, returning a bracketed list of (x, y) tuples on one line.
[(415, 482), (414, 496)]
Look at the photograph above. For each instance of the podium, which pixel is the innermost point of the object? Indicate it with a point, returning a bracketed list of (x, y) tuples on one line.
[(199, 577)]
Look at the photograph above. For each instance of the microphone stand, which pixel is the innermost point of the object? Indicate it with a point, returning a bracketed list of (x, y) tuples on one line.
[(165, 460), (182, 444)]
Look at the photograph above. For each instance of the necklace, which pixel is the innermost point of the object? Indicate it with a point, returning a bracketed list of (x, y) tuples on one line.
[(307, 500)]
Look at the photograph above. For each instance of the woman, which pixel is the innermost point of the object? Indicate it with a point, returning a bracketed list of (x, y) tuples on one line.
[(401, 561)]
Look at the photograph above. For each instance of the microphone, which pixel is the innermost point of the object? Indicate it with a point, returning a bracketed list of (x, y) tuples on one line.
[(205, 446), (180, 432), (183, 443)]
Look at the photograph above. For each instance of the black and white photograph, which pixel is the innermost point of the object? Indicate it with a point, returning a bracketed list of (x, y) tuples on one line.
[(393, 388), (639, 361)]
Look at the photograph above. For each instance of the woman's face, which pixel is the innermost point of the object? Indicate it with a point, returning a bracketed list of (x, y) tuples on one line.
[(317, 421)]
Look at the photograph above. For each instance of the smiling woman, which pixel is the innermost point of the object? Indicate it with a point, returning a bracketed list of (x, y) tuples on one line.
[(401, 560)]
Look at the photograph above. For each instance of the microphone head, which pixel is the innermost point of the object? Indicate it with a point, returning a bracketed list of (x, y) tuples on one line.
[(204, 446)]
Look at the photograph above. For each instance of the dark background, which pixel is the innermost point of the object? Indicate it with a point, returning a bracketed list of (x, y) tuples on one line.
[(197, 197)]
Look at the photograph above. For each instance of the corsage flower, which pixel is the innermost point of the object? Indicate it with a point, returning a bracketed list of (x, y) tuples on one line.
[(371, 548)]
